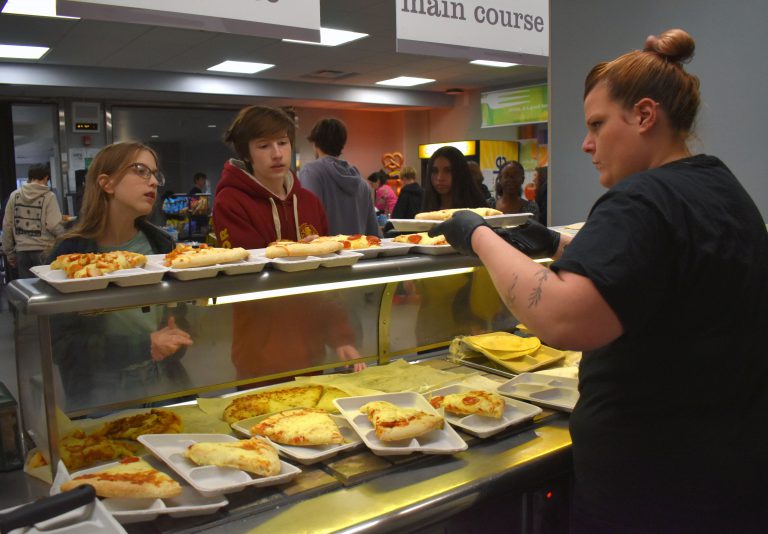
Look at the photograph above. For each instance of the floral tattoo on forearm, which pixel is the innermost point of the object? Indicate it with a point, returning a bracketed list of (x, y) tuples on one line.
[(535, 296)]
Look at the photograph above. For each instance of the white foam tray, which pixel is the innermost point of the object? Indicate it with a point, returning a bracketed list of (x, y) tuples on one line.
[(306, 263), (439, 441), (209, 480), (149, 274), (481, 426), (253, 264), (126, 511), (386, 249), (559, 393), (308, 455), (496, 221)]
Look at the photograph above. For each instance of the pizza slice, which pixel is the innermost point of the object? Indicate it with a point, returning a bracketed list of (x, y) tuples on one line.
[(443, 215), (156, 421), (78, 449), (476, 402), (254, 455), (290, 249), (421, 238), (394, 423), (132, 478), (273, 400), (354, 241), (185, 256), (300, 427)]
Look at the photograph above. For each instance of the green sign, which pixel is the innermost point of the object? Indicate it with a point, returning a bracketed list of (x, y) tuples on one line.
[(525, 105)]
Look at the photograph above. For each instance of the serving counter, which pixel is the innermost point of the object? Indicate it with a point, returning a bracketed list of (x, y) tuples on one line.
[(381, 308)]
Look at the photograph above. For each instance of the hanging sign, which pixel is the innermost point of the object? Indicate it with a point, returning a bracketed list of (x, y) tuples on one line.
[(292, 19), (524, 105), (515, 31)]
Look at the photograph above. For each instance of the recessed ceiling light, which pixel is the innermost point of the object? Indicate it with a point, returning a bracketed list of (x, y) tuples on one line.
[(241, 67), (211, 126), (331, 37), (22, 52), (488, 63), (154, 136), (37, 8), (405, 81)]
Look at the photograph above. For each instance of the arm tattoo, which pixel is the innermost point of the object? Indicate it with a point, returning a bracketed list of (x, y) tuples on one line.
[(535, 296), (509, 297)]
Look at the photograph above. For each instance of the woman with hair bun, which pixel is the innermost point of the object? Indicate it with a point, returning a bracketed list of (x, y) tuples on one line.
[(669, 431)]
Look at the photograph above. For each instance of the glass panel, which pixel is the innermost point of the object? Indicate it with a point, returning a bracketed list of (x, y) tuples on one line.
[(435, 310), (107, 359)]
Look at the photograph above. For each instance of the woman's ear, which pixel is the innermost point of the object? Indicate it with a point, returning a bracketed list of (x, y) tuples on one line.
[(106, 184), (646, 111)]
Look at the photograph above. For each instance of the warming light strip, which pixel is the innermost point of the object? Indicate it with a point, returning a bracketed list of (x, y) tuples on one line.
[(315, 288)]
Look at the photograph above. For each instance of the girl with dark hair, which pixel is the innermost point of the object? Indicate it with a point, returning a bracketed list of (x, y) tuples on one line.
[(509, 188), (450, 183)]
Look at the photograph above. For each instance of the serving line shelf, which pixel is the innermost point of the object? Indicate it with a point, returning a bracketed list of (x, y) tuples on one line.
[(35, 297)]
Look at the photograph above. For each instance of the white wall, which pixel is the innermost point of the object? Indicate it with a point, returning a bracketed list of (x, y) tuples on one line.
[(730, 61)]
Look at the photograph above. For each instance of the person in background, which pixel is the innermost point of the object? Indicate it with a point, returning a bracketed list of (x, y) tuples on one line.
[(450, 183), (384, 196), (259, 200), (477, 174), (509, 188), (540, 182), (121, 349), (339, 186), (201, 184), (409, 202), (31, 222), (675, 242)]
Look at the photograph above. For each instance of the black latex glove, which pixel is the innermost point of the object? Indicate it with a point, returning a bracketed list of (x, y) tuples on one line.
[(458, 230), (532, 239)]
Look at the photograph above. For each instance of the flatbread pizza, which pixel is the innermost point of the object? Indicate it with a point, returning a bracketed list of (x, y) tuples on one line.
[(185, 256), (254, 455), (476, 402), (353, 241), (91, 264), (273, 400), (156, 421), (303, 427), (444, 215), (289, 249), (394, 423), (132, 478), (421, 238)]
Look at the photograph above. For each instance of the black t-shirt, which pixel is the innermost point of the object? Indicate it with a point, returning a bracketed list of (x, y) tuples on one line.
[(671, 427)]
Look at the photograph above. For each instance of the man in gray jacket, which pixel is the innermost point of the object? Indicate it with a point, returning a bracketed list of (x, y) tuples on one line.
[(31, 223), (339, 186)]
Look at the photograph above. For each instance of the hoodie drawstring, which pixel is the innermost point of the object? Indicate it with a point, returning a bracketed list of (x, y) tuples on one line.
[(276, 218)]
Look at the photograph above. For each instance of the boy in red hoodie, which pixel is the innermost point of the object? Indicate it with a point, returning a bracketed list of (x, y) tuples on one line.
[(260, 200)]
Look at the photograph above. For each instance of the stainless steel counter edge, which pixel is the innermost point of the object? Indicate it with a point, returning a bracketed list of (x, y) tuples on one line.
[(36, 297)]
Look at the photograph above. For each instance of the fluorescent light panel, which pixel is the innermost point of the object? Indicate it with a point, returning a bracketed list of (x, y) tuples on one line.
[(488, 63), (405, 81), (37, 8), (331, 37), (241, 67), (22, 52)]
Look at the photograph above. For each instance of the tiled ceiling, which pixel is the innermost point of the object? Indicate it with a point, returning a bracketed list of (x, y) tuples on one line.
[(113, 45)]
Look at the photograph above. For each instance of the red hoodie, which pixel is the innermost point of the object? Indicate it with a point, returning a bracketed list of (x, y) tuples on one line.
[(248, 215), (286, 334)]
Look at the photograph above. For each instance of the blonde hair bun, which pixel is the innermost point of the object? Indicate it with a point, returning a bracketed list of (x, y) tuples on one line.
[(675, 45)]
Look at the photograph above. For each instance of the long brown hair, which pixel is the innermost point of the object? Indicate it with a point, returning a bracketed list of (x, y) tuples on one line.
[(655, 72), (111, 160), (465, 191)]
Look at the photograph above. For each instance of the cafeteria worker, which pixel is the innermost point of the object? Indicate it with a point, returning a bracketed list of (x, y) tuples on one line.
[(665, 289)]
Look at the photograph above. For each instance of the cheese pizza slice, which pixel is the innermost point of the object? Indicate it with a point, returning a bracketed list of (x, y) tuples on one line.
[(421, 238), (273, 400), (442, 215), (300, 427), (476, 402), (78, 449), (185, 256), (393, 423), (354, 241), (254, 455), (132, 478)]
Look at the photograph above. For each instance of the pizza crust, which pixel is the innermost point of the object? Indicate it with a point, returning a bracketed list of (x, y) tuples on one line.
[(132, 478), (254, 455), (443, 215), (285, 249)]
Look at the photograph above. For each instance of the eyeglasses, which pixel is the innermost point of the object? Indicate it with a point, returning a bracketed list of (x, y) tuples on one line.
[(146, 173)]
